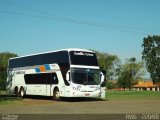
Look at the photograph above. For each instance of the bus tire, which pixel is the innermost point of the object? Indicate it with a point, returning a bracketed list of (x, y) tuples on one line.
[(56, 94), (21, 92), (16, 91)]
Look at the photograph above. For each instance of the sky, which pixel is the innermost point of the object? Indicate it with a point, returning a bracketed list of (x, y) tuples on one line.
[(113, 26)]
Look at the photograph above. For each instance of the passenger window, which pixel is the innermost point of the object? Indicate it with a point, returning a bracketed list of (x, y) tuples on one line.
[(42, 78)]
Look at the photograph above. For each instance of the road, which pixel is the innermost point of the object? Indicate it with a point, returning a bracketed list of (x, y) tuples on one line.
[(48, 106)]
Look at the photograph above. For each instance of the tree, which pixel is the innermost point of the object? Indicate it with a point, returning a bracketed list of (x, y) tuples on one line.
[(3, 77), (107, 62), (151, 55), (110, 85), (129, 73), (4, 56)]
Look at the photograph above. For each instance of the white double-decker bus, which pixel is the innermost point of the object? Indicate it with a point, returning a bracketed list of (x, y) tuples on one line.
[(62, 73)]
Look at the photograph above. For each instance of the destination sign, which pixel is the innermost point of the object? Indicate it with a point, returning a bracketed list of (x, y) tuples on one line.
[(83, 54)]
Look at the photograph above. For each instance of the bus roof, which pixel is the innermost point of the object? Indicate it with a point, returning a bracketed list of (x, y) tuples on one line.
[(68, 49)]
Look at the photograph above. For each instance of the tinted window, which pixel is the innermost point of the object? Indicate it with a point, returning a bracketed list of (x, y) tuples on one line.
[(60, 58), (42, 78), (83, 58)]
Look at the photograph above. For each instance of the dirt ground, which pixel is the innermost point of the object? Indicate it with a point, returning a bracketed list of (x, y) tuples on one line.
[(31, 105)]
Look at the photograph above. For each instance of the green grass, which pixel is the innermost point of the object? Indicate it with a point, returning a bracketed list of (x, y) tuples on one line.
[(7, 98), (8, 101), (116, 95)]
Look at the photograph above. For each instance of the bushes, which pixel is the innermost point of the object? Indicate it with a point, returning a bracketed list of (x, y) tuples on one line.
[(4, 57), (110, 85), (3, 78)]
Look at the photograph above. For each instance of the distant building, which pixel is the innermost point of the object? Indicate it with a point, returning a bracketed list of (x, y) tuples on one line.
[(146, 85)]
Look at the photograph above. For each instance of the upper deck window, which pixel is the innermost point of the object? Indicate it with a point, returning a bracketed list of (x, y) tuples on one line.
[(60, 58)]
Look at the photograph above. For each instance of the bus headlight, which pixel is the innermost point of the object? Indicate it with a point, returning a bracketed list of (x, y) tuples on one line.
[(74, 88)]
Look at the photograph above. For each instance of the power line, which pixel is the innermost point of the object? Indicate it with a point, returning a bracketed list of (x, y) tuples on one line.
[(25, 14), (46, 15), (40, 12), (57, 16), (50, 18)]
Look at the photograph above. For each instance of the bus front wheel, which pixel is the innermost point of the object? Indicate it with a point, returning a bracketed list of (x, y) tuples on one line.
[(56, 94)]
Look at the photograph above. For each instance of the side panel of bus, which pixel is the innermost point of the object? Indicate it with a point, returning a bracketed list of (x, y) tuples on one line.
[(44, 83)]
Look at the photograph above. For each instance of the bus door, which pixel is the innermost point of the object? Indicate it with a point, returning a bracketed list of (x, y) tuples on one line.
[(52, 80), (40, 87)]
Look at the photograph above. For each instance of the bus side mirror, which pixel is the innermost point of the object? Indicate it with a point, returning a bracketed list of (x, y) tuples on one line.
[(68, 76), (102, 77)]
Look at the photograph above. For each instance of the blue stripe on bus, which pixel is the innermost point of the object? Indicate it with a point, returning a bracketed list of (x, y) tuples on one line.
[(37, 69), (47, 67)]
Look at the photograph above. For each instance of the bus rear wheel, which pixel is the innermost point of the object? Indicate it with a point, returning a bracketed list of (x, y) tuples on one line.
[(16, 92), (56, 94), (21, 92)]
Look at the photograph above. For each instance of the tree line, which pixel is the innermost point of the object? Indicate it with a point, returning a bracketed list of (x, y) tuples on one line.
[(4, 57), (126, 74)]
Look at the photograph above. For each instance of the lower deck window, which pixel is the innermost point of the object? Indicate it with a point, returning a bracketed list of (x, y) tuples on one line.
[(41, 78)]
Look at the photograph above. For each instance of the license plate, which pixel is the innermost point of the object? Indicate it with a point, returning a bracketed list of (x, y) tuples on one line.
[(87, 94)]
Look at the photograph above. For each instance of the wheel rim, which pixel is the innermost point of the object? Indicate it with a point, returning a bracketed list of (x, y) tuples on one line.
[(22, 93), (57, 94)]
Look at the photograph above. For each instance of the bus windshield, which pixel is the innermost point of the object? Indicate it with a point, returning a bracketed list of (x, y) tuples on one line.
[(85, 76)]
